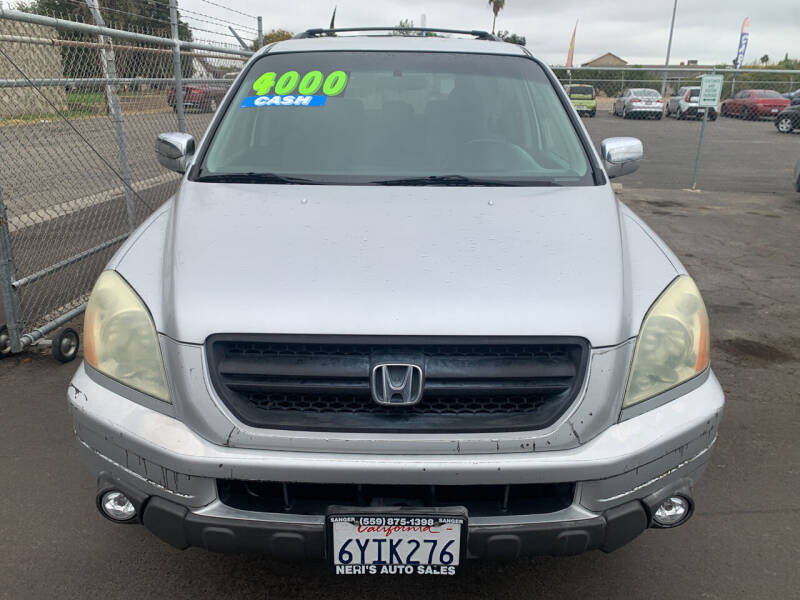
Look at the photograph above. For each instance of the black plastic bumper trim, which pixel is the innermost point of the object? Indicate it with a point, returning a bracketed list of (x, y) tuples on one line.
[(181, 528)]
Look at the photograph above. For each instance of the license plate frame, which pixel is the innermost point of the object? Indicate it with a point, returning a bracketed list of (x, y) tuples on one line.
[(393, 516)]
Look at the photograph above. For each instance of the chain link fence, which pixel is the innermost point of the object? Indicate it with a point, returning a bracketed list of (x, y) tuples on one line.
[(746, 143), (80, 108)]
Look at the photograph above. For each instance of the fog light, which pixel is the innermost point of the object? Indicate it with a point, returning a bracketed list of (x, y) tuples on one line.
[(116, 506), (672, 512)]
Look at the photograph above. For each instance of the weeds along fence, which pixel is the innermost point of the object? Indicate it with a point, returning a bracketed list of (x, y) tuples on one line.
[(80, 108)]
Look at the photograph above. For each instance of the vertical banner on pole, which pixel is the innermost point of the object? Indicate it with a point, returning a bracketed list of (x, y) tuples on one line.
[(743, 37), (571, 50)]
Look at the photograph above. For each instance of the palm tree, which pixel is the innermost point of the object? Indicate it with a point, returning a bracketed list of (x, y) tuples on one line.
[(497, 6)]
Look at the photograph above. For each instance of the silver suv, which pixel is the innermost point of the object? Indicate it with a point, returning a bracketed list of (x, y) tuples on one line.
[(395, 318), (686, 103)]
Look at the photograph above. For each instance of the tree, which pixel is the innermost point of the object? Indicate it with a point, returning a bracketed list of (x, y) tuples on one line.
[(497, 6), (405, 24), (764, 59), (147, 16), (512, 37), (272, 36)]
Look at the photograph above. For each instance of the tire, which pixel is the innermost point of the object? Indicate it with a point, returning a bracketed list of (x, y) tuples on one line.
[(679, 115), (784, 124), (5, 342), (797, 185), (592, 114), (745, 114), (65, 345), (625, 113), (658, 116), (724, 111)]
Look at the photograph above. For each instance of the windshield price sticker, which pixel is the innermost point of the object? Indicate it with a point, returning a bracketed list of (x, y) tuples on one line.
[(395, 545), (292, 89)]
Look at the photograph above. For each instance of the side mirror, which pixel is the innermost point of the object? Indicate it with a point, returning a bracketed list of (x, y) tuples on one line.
[(175, 151), (621, 155)]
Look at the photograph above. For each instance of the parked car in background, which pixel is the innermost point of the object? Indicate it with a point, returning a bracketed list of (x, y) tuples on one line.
[(788, 119), (794, 97), (583, 98), (203, 97), (752, 104), (685, 104), (639, 103)]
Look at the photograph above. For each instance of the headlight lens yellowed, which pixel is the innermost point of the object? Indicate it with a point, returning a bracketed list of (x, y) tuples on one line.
[(120, 337), (673, 344)]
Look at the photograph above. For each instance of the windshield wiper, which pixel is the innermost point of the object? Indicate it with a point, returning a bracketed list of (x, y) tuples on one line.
[(254, 178), (463, 180)]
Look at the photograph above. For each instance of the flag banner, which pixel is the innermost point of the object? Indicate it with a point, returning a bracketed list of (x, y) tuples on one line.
[(743, 37), (571, 50)]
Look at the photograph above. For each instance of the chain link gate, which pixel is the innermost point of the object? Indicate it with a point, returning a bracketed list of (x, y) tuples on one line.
[(80, 108)]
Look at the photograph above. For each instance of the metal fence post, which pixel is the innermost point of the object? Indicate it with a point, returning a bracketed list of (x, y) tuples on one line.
[(8, 292), (260, 32), (176, 64), (110, 72)]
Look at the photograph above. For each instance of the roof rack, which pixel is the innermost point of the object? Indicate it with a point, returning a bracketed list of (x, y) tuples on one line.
[(312, 33)]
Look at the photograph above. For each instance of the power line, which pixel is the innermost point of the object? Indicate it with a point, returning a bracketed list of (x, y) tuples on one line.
[(215, 24), (191, 12), (230, 9)]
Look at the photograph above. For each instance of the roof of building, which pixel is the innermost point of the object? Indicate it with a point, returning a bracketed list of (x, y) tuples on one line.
[(606, 60)]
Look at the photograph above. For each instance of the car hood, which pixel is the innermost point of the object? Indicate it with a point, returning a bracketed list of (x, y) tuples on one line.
[(243, 258)]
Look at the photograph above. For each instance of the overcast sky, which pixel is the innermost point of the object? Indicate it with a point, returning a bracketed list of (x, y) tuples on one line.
[(635, 30)]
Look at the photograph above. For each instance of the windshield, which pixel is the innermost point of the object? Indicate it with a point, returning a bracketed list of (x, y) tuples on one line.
[(381, 117), (646, 93), (581, 90)]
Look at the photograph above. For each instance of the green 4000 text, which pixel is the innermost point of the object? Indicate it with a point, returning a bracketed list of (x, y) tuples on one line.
[(311, 82)]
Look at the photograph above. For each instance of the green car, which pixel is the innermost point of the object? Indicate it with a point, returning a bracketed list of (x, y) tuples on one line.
[(583, 99)]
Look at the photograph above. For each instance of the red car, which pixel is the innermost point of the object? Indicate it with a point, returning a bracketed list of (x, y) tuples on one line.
[(203, 97), (754, 103)]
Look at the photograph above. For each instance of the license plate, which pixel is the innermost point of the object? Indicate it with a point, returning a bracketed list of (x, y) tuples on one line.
[(406, 541)]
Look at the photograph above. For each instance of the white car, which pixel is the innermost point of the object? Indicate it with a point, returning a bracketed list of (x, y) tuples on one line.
[(639, 103), (685, 104)]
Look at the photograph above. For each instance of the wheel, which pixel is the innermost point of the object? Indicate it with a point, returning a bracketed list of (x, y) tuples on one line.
[(745, 114), (65, 345), (679, 115), (797, 184), (658, 116), (784, 125), (592, 113), (5, 342), (625, 112), (724, 111)]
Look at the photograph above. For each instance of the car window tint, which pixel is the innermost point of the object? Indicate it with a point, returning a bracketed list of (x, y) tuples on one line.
[(402, 114)]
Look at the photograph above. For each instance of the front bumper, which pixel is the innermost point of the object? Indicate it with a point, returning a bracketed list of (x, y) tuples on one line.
[(171, 473)]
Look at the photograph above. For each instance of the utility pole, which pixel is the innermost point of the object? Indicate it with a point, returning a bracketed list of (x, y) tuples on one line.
[(669, 48)]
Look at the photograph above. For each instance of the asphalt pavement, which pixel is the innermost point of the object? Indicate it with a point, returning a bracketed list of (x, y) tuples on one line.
[(741, 543)]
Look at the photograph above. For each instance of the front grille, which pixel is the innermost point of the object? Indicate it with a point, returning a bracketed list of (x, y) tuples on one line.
[(323, 383), (315, 498)]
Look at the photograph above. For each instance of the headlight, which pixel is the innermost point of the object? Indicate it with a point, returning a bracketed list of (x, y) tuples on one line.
[(120, 338), (673, 344)]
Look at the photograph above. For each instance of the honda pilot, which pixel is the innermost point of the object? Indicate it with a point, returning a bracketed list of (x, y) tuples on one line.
[(395, 318)]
